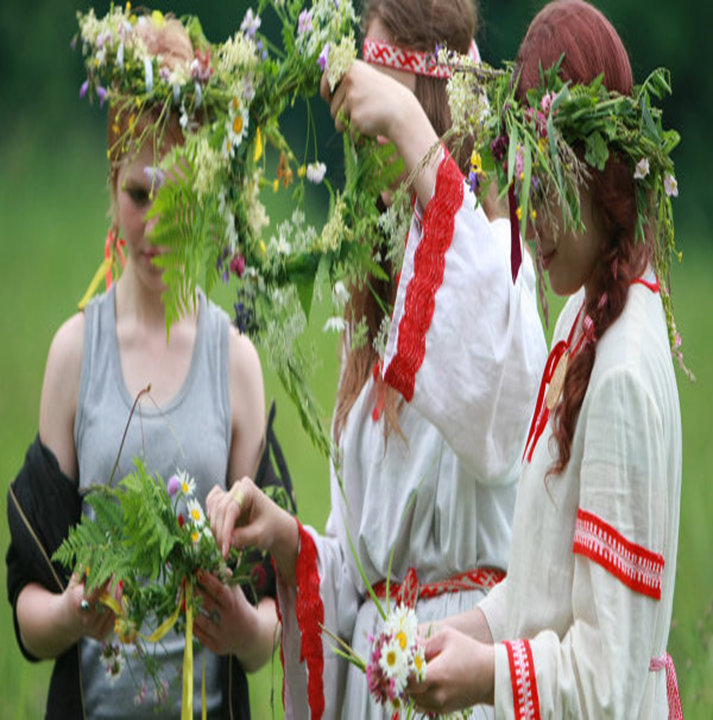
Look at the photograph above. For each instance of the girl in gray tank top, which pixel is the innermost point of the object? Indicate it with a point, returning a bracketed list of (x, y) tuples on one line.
[(190, 432), (204, 414)]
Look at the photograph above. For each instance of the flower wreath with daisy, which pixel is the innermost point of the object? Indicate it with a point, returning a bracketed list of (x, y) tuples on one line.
[(207, 191)]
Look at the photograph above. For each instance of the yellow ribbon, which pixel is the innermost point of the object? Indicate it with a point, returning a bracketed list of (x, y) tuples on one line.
[(94, 284), (187, 704), (159, 633)]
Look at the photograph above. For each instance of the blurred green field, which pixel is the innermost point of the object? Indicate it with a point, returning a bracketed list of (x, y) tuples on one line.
[(52, 227)]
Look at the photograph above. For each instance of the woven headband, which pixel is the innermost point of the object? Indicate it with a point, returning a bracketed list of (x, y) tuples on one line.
[(377, 52)]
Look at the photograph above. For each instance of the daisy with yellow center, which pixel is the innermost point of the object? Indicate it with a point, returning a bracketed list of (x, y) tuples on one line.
[(195, 513)]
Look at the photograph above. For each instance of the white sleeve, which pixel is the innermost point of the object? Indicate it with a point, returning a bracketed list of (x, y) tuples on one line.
[(600, 666), (314, 676), (466, 344)]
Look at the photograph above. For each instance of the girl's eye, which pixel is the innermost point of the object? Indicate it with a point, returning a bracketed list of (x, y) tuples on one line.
[(139, 196)]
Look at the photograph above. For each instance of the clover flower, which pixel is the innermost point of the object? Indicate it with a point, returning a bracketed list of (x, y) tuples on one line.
[(173, 485)]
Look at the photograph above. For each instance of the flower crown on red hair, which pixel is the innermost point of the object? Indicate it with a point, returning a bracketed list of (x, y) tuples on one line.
[(546, 145)]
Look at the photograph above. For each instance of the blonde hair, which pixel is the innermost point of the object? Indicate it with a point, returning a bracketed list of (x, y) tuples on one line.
[(168, 41)]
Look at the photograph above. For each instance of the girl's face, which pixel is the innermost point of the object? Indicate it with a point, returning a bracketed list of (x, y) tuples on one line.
[(135, 190), (569, 258)]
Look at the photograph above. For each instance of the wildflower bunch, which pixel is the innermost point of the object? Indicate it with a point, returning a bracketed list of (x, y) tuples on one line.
[(545, 146), (397, 653), (151, 540)]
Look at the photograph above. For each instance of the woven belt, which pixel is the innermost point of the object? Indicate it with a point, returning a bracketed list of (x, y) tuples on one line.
[(410, 590), (675, 711)]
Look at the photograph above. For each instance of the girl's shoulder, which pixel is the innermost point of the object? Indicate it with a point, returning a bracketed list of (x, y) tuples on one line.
[(67, 345)]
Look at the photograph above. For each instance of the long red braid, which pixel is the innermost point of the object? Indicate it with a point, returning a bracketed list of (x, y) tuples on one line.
[(591, 46)]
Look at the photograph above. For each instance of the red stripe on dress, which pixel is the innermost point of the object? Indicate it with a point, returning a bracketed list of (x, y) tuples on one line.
[(428, 268), (310, 616), (526, 701), (637, 567)]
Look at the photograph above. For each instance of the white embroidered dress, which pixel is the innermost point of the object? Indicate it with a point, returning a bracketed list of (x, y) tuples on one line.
[(467, 351), (586, 607)]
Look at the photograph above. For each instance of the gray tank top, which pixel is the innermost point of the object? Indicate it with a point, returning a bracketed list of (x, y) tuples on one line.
[(191, 432)]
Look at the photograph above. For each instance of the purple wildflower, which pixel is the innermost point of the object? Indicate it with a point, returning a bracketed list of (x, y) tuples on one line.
[(304, 23), (670, 185), (173, 485), (84, 88), (323, 57), (251, 23), (473, 181), (101, 94)]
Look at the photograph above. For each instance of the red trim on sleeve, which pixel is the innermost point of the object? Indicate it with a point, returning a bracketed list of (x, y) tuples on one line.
[(636, 566), (526, 701), (310, 615), (428, 268)]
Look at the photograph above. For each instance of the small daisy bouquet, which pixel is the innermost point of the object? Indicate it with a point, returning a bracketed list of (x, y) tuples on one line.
[(148, 540), (208, 192), (396, 655)]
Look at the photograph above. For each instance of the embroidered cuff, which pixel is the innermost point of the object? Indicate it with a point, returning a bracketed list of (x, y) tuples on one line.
[(637, 567), (310, 616), (526, 702)]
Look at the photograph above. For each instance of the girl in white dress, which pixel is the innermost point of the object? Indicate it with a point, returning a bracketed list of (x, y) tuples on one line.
[(579, 627), (456, 390)]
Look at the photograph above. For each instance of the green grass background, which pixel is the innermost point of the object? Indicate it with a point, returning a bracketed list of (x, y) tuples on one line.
[(52, 226)]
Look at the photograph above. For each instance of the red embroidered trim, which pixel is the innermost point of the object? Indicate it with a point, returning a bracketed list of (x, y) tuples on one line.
[(310, 615), (526, 701), (636, 566), (428, 267), (411, 590)]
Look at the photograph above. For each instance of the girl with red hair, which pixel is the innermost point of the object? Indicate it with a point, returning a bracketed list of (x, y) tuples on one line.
[(579, 626)]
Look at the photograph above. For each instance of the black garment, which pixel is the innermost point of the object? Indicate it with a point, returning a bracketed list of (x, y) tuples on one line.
[(42, 505)]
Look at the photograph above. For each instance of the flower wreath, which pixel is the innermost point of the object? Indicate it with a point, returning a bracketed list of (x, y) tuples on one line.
[(528, 149), (210, 216)]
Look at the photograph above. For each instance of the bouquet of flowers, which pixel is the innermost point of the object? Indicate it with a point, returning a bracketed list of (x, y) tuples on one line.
[(150, 539), (210, 215)]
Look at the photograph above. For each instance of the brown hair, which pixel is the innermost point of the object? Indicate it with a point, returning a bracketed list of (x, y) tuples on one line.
[(419, 25), (591, 46), (127, 122)]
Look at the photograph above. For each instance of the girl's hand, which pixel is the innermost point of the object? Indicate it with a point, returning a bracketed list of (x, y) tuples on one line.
[(245, 517), (88, 617), (226, 621), (460, 673), (240, 516), (374, 103)]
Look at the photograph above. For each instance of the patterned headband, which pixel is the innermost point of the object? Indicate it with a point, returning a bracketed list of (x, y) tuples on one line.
[(417, 62)]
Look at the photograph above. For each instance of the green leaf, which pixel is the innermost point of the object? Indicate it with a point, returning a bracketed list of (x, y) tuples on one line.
[(596, 151)]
